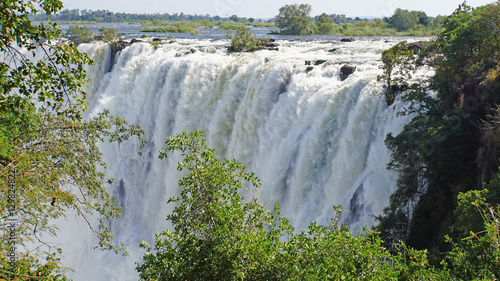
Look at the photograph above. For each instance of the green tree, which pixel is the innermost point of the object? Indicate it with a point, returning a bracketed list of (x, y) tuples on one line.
[(397, 61), (48, 82), (79, 34), (443, 151), (476, 256), (234, 18), (109, 35), (295, 19), (324, 24), (243, 41), (219, 234), (49, 159), (423, 19), (403, 20)]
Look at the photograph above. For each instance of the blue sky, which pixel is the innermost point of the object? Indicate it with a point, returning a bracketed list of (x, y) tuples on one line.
[(269, 8)]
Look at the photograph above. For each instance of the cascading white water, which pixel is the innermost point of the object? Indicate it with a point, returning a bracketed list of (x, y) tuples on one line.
[(313, 140)]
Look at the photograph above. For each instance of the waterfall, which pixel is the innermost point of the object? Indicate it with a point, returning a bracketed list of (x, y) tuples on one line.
[(313, 140)]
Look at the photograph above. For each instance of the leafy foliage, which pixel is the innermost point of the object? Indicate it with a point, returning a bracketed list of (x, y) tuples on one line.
[(324, 24), (397, 61), (109, 35), (79, 34), (476, 255), (445, 149), (219, 234), (50, 162), (243, 41), (295, 19), (404, 20), (176, 27), (48, 80)]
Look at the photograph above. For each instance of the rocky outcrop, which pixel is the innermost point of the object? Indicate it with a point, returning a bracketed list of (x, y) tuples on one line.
[(415, 46), (116, 47), (314, 62), (399, 88), (319, 62), (267, 44), (184, 53), (345, 71), (347, 40)]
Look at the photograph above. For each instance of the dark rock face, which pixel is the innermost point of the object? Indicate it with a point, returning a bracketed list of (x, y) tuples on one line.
[(316, 62), (416, 46), (271, 45), (347, 40), (267, 44), (332, 50), (399, 88), (319, 62), (345, 71), (135, 40), (116, 47)]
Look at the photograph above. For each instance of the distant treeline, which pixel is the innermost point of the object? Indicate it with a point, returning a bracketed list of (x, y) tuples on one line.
[(292, 20), (104, 16)]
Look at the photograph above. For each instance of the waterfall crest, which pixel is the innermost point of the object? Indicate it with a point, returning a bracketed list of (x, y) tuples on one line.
[(313, 140)]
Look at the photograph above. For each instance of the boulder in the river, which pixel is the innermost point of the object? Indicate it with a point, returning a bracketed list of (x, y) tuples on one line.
[(345, 71), (347, 39), (319, 62)]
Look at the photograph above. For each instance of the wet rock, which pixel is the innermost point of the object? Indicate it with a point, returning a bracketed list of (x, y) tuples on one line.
[(399, 88), (415, 46), (347, 40), (345, 71), (319, 62), (116, 47)]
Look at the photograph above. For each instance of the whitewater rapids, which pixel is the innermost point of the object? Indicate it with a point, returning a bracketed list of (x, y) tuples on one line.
[(313, 140)]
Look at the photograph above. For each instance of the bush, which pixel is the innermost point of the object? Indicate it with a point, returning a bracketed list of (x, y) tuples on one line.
[(79, 34), (109, 35), (219, 234), (243, 41), (230, 25), (176, 27)]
